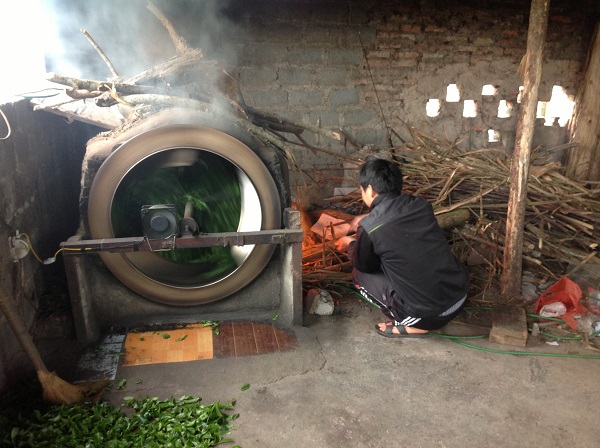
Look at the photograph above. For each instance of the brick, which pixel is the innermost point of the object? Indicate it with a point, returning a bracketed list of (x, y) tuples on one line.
[(433, 56), (262, 54), (304, 55), (346, 56), (435, 29), (371, 136), (404, 63), (337, 76), (411, 28), (359, 117), (378, 63), (407, 55), (383, 54), (513, 33), (266, 98), (483, 41), (295, 76), (404, 37), (306, 98), (258, 76), (327, 119), (344, 97)]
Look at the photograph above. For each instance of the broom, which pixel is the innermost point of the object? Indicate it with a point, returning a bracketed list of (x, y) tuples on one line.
[(55, 389)]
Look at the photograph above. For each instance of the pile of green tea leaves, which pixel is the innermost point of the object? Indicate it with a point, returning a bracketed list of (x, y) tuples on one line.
[(148, 422)]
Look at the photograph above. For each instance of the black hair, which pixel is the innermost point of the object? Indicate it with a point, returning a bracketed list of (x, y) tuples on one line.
[(382, 175)]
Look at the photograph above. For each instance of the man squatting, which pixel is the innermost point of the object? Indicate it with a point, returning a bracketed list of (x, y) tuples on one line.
[(401, 258)]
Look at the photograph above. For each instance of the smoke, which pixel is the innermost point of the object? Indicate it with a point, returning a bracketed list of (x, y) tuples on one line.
[(131, 37)]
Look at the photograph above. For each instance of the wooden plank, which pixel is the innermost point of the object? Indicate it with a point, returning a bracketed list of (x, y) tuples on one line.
[(584, 160), (509, 325), (519, 171), (182, 344)]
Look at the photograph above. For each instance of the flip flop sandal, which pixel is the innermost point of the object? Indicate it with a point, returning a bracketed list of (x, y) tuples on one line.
[(403, 333)]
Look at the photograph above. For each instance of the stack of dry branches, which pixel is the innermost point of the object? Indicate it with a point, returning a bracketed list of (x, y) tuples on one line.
[(560, 234)]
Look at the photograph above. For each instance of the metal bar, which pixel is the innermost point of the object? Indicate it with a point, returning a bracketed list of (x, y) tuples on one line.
[(140, 244)]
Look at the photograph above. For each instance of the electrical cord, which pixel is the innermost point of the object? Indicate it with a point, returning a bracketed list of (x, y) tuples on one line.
[(31, 247), (7, 126), (53, 258)]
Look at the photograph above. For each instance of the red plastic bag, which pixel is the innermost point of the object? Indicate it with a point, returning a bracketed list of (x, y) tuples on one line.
[(567, 292)]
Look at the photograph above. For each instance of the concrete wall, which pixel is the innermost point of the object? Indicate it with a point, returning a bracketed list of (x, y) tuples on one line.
[(40, 166)]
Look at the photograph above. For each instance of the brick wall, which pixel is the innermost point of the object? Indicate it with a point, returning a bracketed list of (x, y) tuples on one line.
[(367, 66), (370, 67)]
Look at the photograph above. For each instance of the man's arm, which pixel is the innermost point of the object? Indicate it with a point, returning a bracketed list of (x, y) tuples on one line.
[(362, 254)]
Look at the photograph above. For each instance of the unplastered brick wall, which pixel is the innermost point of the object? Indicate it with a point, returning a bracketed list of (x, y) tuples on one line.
[(371, 67)]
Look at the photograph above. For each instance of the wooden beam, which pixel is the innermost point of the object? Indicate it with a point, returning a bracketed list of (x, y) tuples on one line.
[(519, 172), (509, 325), (583, 161)]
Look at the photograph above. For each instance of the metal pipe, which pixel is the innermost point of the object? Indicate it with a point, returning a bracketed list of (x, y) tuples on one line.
[(143, 244)]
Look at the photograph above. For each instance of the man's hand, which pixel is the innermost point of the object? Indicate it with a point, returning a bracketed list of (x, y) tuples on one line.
[(343, 243)]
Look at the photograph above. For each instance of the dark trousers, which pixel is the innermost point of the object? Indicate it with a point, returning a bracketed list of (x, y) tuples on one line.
[(375, 288)]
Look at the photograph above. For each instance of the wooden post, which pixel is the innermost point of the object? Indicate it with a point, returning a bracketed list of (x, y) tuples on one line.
[(519, 171), (583, 162)]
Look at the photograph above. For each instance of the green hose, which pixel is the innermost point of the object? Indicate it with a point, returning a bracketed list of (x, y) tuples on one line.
[(458, 339)]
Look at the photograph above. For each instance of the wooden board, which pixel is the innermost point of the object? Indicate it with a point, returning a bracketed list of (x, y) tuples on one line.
[(156, 347), (198, 342)]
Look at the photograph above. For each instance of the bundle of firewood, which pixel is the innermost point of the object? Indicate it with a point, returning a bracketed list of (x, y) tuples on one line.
[(560, 234)]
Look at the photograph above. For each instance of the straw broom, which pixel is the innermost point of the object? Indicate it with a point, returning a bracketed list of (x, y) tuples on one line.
[(55, 389)]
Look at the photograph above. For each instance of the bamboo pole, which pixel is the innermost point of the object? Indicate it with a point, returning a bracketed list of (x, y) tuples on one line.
[(519, 173)]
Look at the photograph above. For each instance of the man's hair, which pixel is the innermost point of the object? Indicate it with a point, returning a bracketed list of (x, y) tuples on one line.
[(382, 175)]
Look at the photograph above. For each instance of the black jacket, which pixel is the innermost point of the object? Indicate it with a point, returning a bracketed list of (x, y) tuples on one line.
[(401, 237)]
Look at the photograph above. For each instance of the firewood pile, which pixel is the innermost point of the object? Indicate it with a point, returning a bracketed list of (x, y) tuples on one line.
[(560, 235)]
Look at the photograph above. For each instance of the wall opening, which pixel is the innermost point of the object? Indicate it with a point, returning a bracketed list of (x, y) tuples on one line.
[(504, 109), (433, 107), (452, 93), (470, 109), (560, 106), (493, 136), (520, 94), (488, 90)]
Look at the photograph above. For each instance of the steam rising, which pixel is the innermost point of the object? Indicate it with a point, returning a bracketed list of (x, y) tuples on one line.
[(130, 35)]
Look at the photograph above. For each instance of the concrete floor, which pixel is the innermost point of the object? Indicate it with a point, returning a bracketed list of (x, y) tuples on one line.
[(346, 386)]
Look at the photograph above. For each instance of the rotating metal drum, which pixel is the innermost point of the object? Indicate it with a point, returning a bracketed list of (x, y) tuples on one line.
[(185, 149)]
